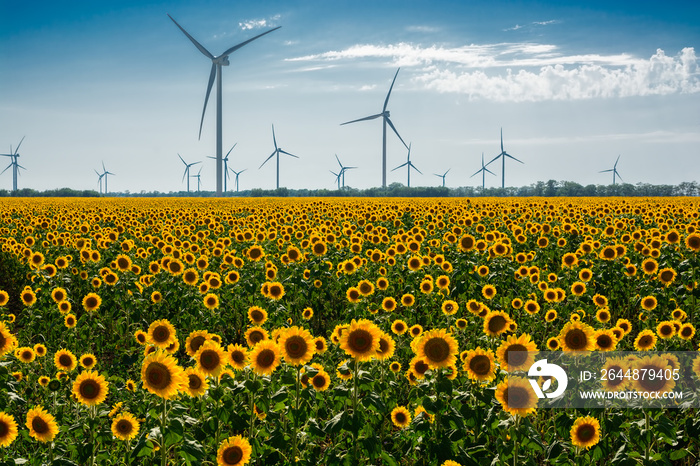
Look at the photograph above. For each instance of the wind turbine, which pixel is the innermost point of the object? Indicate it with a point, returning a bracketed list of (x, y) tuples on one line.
[(216, 63), (187, 171), (613, 170), (225, 159), (385, 120), (105, 173), (277, 153), (503, 156), (100, 175), (14, 155), (342, 171), (237, 174), (337, 177), (443, 176), (410, 165), (198, 176), (483, 171)]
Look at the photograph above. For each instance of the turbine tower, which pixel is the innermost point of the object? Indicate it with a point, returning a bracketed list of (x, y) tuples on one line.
[(385, 120), (100, 175), (277, 153), (443, 176), (198, 176), (187, 171), (613, 170), (341, 173), (216, 63), (14, 155), (105, 173), (483, 171), (503, 156), (225, 165), (237, 174), (409, 165)]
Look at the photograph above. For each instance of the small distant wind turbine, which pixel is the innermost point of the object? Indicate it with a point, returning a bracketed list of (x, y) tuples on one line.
[(105, 173), (277, 152), (343, 169), (225, 159), (503, 156), (613, 170), (14, 155), (337, 178), (100, 175), (187, 171), (237, 175), (443, 176), (483, 171), (198, 176), (216, 64), (385, 119), (409, 165)]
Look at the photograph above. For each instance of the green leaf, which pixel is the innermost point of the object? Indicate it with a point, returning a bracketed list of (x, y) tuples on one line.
[(336, 424), (388, 459)]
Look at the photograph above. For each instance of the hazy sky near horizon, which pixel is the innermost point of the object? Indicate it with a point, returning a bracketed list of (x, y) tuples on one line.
[(572, 87)]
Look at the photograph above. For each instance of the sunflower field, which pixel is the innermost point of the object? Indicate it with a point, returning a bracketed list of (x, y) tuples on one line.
[(334, 332)]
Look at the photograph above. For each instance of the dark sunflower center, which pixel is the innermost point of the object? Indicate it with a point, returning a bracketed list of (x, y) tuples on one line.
[(576, 339), (421, 367), (318, 381), (666, 330), (517, 397), (516, 355), (196, 342), (496, 324), (585, 432), (437, 349), (257, 316), (645, 341), (400, 417), (383, 346), (480, 365), (685, 332), (39, 425), (275, 290), (89, 389), (4, 429), (26, 355), (161, 334), (65, 360), (158, 375), (296, 347), (237, 357), (209, 359), (233, 455), (195, 382), (91, 302), (604, 341), (360, 341), (256, 336), (124, 427), (266, 358)]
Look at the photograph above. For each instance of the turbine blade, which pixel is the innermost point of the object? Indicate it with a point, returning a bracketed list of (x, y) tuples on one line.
[(229, 151), (271, 155), (618, 175), (402, 165), (618, 157), (20, 143), (493, 159), (183, 160), (448, 171), (372, 117), (285, 152), (6, 168), (489, 171), (336, 157), (414, 167), (211, 157), (212, 75), (195, 163), (397, 133), (273, 136), (605, 171), (199, 46), (502, 140), (477, 172), (508, 155), (236, 47), (386, 101)]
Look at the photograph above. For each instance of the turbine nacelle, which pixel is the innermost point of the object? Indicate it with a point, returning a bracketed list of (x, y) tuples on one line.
[(223, 61)]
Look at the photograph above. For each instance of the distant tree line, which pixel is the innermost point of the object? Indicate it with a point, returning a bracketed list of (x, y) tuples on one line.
[(549, 188)]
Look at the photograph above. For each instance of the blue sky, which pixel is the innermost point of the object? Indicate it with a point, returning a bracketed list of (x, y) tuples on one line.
[(572, 87)]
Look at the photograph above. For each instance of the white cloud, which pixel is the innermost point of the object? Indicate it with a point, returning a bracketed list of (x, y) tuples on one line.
[(258, 23), (533, 72), (422, 29)]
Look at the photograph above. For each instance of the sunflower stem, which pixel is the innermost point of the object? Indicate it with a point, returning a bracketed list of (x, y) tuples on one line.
[(296, 415), (514, 438), (164, 455), (354, 409)]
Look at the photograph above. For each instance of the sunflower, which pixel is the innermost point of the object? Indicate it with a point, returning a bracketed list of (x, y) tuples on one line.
[(532, 307), (495, 323), (7, 340), (667, 276), (88, 360), (665, 329), (237, 356), (8, 429), (550, 315), (516, 353), (65, 307), (480, 365), (44, 381), (90, 388), (195, 340), (461, 323), (652, 365), (190, 276), (650, 266), (687, 331), (692, 242), (382, 283), (265, 357), (58, 295), (399, 327), (488, 291), (64, 360), (408, 300), (210, 301), (297, 346), (401, 417), (161, 333), (256, 334), (156, 297), (125, 426), (91, 302), (130, 385), (321, 381), (387, 345), (353, 294), (649, 303), (210, 358), (605, 340), (28, 297), (234, 451), (625, 325), (4, 298), (645, 341), (196, 384), (41, 424), (161, 375), (25, 354), (438, 348), (361, 340), (395, 366), (576, 336), (443, 282), (389, 304), (578, 288), (516, 396), (615, 368), (585, 432), (415, 330)]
